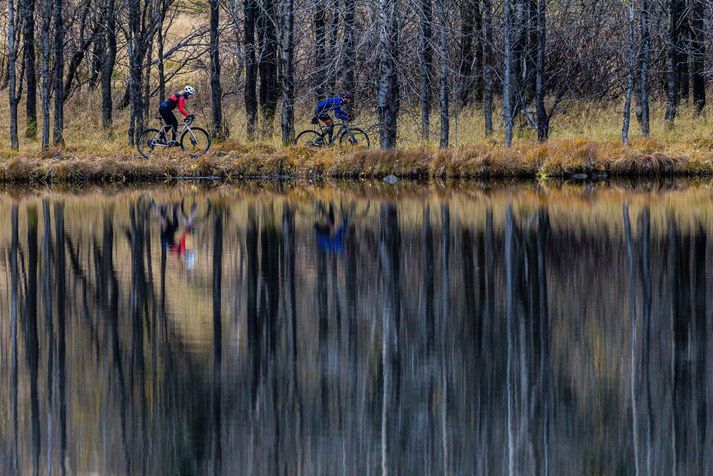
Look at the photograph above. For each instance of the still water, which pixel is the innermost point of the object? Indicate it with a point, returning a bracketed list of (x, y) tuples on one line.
[(357, 329)]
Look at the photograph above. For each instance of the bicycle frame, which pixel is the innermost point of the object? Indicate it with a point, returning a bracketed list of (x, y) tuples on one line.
[(337, 130), (166, 129)]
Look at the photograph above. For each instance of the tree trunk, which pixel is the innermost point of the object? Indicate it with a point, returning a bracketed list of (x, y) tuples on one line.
[(58, 132), (684, 77), (161, 66), (12, 74), (543, 120), (28, 35), (108, 66), (135, 70), (698, 54), (288, 71), (443, 74), (250, 68), (488, 66), (320, 49), (425, 55), (146, 102), (533, 46), (388, 97), (216, 93), (332, 34), (46, 76), (507, 76), (469, 44), (269, 84), (672, 44), (348, 81), (97, 59), (631, 59), (644, 65)]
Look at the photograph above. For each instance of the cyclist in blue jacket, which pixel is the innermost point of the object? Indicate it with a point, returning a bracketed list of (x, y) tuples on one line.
[(321, 112)]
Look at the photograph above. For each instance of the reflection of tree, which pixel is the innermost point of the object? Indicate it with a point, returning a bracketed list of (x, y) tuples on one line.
[(469, 341), (32, 351)]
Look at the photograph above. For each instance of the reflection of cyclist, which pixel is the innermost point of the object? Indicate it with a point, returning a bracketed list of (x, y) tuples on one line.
[(169, 226), (330, 238)]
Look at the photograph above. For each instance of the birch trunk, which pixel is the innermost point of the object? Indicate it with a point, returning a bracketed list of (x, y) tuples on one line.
[(543, 120), (631, 58), (269, 84), (216, 93), (698, 54), (488, 66), (320, 49), (644, 72), (134, 51), (425, 54), (349, 80), (109, 61), (28, 40), (12, 74), (250, 68), (288, 70), (507, 76), (46, 74), (672, 65), (443, 75), (388, 100), (58, 132)]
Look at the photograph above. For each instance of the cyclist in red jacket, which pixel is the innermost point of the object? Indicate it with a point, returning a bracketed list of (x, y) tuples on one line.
[(177, 100)]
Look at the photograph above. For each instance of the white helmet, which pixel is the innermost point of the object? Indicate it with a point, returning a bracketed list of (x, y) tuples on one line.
[(189, 90)]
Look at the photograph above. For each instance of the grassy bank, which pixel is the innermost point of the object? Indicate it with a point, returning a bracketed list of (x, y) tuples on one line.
[(565, 158), (584, 141)]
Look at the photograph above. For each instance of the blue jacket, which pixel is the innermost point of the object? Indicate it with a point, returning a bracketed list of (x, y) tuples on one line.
[(329, 105)]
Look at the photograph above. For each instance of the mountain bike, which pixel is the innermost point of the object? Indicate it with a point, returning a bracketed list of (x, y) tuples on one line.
[(194, 140), (325, 136)]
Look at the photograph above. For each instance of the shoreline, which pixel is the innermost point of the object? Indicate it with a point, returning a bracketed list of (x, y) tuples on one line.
[(577, 159)]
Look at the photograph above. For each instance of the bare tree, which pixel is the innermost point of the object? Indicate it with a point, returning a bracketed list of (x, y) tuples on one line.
[(507, 75), (631, 59), (488, 66), (12, 87), (267, 67), (288, 70), (109, 60), (644, 67), (388, 94), (443, 74), (216, 92), (543, 118), (28, 44), (698, 53), (46, 73), (425, 54), (250, 11), (58, 132), (672, 61)]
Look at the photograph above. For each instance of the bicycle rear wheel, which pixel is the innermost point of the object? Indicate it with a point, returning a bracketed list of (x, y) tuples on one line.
[(309, 138), (354, 137), (148, 141), (195, 141)]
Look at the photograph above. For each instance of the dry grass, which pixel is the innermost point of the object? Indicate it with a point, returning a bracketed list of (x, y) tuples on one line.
[(585, 141)]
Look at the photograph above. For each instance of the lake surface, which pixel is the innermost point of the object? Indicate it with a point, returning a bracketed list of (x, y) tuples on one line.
[(357, 328)]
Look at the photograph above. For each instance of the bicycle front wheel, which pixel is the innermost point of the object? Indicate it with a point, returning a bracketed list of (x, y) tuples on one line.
[(354, 137), (309, 138), (148, 141), (195, 141)]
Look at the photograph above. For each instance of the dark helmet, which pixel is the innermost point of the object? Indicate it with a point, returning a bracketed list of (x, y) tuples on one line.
[(348, 96)]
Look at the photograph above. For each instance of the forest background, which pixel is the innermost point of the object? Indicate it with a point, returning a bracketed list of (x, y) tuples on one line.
[(89, 75)]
